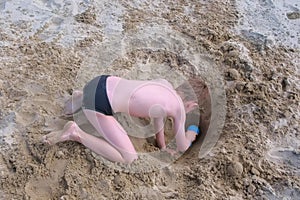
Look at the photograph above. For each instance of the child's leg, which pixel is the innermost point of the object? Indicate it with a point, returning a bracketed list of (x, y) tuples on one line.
[(72, 132), (113, 132), (159, 132), (74, 103), (118, 148)]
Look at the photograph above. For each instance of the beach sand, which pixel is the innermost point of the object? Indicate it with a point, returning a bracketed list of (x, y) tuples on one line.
[(243, 68)]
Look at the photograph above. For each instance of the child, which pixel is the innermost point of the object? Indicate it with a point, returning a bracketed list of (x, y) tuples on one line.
[(105, 95)]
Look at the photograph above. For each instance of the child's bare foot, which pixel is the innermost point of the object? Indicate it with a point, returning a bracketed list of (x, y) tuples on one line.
[(68, 133), (74, 103)]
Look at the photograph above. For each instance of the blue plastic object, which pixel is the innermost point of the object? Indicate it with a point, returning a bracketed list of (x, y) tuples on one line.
[(194, 128)]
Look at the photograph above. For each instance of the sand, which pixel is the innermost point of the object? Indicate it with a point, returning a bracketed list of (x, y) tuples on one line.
[(233, 57)]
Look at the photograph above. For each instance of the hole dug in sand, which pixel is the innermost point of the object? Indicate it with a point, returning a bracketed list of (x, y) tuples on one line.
[(204, 102), (196, 77)]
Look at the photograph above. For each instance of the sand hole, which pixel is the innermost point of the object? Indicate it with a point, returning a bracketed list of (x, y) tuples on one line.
[(147, 64), (159, 52)]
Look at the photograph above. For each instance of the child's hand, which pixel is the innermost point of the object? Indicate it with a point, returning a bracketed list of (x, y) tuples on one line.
[(191, 136), (192, 132)]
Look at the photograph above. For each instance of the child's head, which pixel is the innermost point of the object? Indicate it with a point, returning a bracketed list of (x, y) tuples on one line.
[(188, 96)]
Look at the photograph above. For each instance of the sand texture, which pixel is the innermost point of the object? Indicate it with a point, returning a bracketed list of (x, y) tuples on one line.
[(240, 61)]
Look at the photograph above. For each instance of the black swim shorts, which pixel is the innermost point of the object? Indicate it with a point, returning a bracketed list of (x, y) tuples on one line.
[(95, 96)]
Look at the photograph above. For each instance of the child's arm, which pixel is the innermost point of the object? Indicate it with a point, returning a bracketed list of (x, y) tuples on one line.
[(160, 136), (183, 142), (159, 129)]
